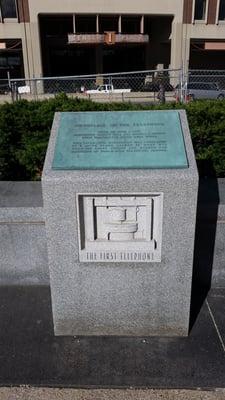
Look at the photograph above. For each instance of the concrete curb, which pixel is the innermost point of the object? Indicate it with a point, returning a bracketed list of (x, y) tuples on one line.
[(29, 393)]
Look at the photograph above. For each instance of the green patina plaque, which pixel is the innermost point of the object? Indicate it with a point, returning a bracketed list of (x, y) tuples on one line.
[(121, 139)]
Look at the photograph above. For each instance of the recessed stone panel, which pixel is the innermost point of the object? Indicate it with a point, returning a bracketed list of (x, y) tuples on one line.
[(120, 228)]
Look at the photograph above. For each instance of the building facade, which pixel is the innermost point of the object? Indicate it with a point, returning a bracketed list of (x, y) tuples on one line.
[(74, 37)]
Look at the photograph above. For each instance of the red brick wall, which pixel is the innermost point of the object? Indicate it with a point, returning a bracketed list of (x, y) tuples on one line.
[(212, 12), (187, 12), (23, 10)]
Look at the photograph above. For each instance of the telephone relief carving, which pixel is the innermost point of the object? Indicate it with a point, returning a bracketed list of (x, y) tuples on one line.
[(121, 222)]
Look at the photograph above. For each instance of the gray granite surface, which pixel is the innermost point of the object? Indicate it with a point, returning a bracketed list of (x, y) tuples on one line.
[(121, 299), (31, 393), (22, 214), (20, 264), (218, 267), (23, 254), (20, 194)]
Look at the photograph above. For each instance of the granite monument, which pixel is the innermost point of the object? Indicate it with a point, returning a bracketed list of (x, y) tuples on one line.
[(120, 195)]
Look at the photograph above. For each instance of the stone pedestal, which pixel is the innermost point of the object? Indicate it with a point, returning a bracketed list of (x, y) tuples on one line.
[(120, 246)]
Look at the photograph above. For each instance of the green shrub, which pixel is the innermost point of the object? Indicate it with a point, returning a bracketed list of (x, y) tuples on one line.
[(25, 128), (207, 125)]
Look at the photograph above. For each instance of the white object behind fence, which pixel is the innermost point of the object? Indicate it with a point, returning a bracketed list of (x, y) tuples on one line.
[(24, 89)]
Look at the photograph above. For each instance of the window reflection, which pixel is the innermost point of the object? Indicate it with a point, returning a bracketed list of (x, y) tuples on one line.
[(8, 8), (200, 9), (222, 10)]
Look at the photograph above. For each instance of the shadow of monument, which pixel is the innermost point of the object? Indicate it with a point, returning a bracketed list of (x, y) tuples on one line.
[(206, 223)]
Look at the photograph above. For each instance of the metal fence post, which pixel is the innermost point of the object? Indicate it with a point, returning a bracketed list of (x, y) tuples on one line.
[(9, 83), (12, 91), (181, 84), (35, 89)]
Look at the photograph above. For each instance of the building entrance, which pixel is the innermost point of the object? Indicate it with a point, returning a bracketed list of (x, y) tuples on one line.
[(77, 45)]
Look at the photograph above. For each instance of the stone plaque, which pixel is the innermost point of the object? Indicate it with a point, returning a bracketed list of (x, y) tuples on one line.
[(120, 228), (118, 140)]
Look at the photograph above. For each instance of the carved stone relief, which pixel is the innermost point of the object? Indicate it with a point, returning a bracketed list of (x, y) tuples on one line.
[(120, 227)]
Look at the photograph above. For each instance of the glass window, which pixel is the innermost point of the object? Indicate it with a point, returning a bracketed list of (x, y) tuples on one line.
[(14, 60), (222, 10), (200, 9), (8, 8), (3, 61)]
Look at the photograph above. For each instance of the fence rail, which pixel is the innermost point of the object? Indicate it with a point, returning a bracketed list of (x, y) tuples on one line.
[(140, 86)]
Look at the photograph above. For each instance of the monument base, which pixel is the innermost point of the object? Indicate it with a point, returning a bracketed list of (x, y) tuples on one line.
[(120, 245)]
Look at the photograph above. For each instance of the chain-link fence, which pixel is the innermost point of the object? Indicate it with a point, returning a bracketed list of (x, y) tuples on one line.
[(207, 76), (204, 84), (141, 86), (4, 87)]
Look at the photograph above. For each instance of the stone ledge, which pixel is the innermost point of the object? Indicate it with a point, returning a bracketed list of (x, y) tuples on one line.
[(23, 232), (22, 215), (22, 201), (20, 194)]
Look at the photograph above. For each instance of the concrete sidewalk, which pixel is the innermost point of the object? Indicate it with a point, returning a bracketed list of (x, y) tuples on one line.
[(29, 393), (31, 355)]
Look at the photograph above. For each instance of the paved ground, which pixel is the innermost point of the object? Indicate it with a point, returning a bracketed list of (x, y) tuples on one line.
[(30, 354), (134, 97), (68, 394)]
